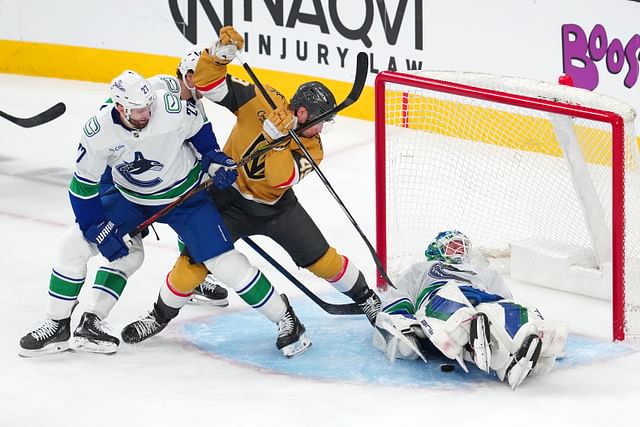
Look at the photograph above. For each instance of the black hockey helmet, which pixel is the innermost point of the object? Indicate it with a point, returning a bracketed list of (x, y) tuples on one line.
[(316, 98)]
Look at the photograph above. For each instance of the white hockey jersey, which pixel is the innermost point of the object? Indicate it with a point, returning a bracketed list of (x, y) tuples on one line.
[(420, 279), (152, 166)]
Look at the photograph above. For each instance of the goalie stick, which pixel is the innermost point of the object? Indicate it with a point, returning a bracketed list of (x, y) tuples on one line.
[(362, 57), (340, 309), (356, 89), (39, 119)]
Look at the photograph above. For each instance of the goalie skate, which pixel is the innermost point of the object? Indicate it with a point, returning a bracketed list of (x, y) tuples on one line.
[(89, 337), (291, 333), (479, 341), (211, 293), (524, 361)]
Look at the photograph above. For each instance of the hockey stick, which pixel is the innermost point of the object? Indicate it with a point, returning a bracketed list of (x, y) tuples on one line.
[(39, 119), (340, 309), (356, 90), (362, 57)]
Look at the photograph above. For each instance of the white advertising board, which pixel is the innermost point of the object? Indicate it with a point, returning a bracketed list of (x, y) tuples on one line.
[(596, 41)]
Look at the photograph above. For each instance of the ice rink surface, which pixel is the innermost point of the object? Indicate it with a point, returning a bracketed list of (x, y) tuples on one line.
[(219, 366)]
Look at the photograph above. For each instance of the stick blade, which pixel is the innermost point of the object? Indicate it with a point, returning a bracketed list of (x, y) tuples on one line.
[(50, 114), (362, 69), (39, 119)]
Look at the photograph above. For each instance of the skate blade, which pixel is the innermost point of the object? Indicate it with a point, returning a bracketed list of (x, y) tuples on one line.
[(52, 348), (85, 345), (200, 300), (297, 347)]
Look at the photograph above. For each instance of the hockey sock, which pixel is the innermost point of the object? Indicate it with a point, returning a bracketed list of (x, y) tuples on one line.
[(165, 313), (360, 291), (261, 295), (172, 297), (63, 294), (106, 290)]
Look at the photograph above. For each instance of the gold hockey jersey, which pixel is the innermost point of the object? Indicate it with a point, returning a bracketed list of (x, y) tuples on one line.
[(266, 178)]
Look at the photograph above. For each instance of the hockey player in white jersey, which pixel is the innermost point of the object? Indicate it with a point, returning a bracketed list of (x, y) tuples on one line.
[(467, 313), (149, 139)]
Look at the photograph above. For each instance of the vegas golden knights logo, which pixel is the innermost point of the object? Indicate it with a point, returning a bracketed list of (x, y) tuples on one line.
[(255, 167)]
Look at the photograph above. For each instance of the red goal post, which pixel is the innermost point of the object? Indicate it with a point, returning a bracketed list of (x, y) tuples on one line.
[(541, 174)]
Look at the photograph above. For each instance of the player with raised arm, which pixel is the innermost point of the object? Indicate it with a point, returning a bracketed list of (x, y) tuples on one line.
[(149, 140), (466, 311), (262, 200)]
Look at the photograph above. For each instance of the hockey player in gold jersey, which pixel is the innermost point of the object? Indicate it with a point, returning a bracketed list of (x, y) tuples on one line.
[(262, 200)]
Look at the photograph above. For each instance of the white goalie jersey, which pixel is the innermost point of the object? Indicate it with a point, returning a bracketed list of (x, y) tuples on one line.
[(422, 278)]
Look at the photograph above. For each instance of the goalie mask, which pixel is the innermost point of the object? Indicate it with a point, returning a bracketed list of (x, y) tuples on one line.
[(449, 246), (131, 91), (316, 98)]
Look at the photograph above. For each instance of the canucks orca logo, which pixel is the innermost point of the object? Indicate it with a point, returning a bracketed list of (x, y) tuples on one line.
[(138, 166), (447, 271)]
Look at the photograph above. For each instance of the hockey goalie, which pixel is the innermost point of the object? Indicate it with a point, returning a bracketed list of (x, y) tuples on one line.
[(465, 311)]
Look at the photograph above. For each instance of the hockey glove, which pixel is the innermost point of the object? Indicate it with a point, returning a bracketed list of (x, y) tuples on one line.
[(228, 44), (220, 167), (110, 243), (279, 123)]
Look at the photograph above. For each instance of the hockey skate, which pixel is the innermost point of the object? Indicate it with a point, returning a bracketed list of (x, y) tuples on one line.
[(291, 333), (479, 342), (524, 360), (144, 328), (89, 336), (370, 305), (50, 337), (210, 292)]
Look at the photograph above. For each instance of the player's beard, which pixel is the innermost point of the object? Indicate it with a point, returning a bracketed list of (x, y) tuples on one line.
[(139, 124)]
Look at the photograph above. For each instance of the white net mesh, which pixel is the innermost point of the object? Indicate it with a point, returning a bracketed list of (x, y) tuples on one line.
[(499, 174)]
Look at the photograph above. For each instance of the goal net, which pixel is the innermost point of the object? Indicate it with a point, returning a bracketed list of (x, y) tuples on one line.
[(541, 175)]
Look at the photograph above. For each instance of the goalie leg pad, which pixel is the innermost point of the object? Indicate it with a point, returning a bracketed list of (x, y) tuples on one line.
[(524, 360), (445, 319), (513, 358), (554, 337)]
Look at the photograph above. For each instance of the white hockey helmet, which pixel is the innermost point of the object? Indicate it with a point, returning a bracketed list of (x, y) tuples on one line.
[(189, 60), (132, 91)]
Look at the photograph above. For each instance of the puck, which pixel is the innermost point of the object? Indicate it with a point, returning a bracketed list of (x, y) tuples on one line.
[(445, 367)]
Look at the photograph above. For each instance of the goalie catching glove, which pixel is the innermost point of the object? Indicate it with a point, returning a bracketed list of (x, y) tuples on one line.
[(278, 124), (227, 46), (220, 167)]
